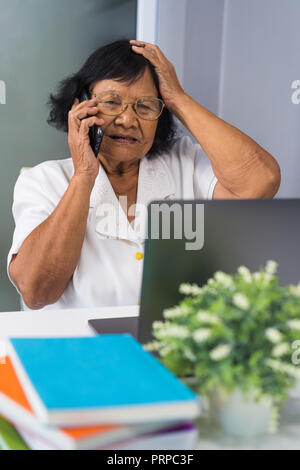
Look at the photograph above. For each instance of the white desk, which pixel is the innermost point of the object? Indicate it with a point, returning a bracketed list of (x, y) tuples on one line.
[(74, 323)]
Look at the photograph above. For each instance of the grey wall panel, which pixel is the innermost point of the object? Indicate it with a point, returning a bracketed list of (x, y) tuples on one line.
[(41, 42), (203, 48), (261, 60), (171, 23)]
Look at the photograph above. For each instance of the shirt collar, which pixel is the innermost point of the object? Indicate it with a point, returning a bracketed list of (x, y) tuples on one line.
[(155, 182)]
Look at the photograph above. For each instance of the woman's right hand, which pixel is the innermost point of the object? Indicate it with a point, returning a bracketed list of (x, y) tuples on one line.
[(84, 161)]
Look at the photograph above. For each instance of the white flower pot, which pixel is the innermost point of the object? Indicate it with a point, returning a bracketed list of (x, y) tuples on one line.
[(241, 415)]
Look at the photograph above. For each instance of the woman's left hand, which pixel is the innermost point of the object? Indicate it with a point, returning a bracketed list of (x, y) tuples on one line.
[(169, 86)]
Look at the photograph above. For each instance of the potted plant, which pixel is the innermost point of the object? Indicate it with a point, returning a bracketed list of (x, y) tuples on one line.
[(235, 337)]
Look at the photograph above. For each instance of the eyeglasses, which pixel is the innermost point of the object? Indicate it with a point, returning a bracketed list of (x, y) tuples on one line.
[(146, 107)]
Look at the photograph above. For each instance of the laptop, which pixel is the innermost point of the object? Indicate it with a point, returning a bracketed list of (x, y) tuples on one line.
[(227, 234)]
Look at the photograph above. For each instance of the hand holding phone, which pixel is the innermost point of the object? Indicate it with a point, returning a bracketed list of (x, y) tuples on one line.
[(95, 132), (81, 119)]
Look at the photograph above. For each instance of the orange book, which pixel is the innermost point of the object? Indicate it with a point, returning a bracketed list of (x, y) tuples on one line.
[(15, 407)]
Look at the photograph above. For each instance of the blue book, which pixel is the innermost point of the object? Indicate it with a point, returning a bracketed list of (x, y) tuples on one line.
[(99, 379)]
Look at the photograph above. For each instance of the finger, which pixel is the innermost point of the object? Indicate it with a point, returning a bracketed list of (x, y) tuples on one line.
[(145, 45), (86, 111), (77, 115), (81, 110), (87, 123), (73, 121), (140, 43), (76, 101), (84, 103), (148, 53)]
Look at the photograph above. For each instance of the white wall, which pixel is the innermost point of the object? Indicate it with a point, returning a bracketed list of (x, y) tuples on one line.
[(2, 92), (146, 28), (163, 22)]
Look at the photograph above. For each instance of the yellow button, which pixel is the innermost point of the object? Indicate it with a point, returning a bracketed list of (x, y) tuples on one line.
[(139, 255)]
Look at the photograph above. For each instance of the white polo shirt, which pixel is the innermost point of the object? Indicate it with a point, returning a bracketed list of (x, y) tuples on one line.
[(109, 271)]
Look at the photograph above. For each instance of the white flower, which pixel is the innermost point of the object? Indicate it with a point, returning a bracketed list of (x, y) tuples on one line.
[(185, 289), (166, 349), (157, 325), (173, 331), (274, 364), (201, 334), (196, 290), (292, 370), (170, 313), (241, 301), (283, 367), (223, 278), (220, 352), (245, 273), (268, 277), (153, 346), (294, 324), (257, 276), (271, 267), (190, 289), (208, 317), (176, 312), (189, 355), (273, 335), (295, 290), (281, 349)]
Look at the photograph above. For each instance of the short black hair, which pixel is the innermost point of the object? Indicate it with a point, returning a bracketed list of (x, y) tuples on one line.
[(118, 62)]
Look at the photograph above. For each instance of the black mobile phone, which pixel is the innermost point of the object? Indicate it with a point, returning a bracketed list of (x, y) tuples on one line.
[(95, 132)]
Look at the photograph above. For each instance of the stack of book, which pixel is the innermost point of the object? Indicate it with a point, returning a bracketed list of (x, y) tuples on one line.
[(101, 392)]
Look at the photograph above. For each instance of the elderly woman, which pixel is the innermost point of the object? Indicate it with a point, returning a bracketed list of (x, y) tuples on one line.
[(62, 255)]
